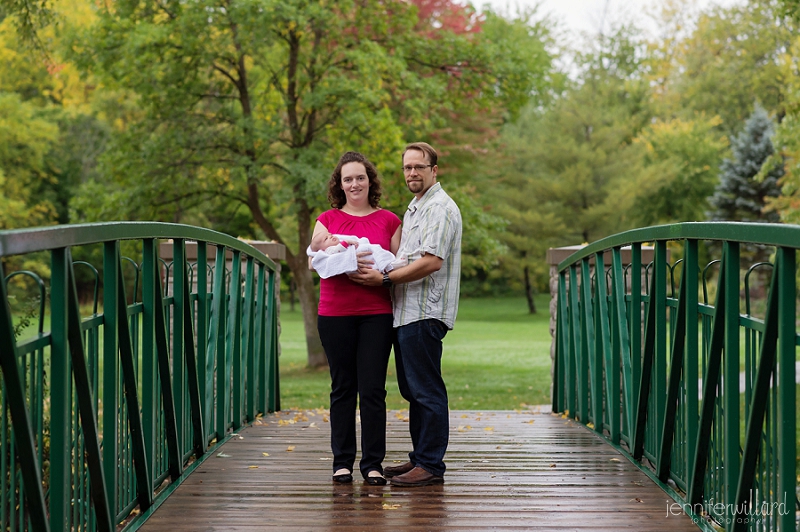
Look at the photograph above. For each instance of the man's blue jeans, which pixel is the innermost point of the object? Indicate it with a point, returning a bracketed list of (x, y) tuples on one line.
[(418, 355)]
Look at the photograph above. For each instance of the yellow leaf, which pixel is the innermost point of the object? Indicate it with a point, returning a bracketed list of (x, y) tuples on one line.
[(253, 467), (290, 448), (387, 506), (264, 454), (488, 429)]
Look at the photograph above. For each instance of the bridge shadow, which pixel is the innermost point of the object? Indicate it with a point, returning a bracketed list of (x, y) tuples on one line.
[(506, 470)]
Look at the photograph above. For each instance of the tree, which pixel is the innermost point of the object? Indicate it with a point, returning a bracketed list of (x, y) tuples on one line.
[(730, 59), (25, 140), (787, 143), (739, 195), (681, 170), (249, 103), (581, 148)]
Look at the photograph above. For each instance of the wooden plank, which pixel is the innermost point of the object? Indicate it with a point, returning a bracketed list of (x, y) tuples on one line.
[(505, 470)]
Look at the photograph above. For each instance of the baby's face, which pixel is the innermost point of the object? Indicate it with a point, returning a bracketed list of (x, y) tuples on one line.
[(329, 241)]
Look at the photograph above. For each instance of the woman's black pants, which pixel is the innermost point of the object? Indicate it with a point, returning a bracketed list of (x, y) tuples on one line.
[(358, 350)]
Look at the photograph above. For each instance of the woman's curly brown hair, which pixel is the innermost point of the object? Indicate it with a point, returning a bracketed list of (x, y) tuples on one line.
[(336, 195)]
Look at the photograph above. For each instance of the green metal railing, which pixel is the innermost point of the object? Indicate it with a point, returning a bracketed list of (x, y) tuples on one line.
[(102, 416), (701, 397)]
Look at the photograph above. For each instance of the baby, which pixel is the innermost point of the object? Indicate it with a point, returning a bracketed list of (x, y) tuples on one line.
[(336, 254), (328, 243)]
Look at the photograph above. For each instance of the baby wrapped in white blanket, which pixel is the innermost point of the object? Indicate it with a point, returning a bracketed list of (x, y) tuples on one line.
[(336, 254)]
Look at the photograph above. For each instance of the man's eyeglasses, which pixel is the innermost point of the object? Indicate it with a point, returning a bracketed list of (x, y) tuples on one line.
[(418, 167)]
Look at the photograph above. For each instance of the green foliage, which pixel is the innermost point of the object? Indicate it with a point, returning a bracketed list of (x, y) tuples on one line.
[(682, 160), (739, 195), (729, 61), (25, 138), (245, 107)]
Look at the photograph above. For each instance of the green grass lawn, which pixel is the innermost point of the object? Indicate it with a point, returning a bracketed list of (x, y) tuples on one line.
[(496, 358)]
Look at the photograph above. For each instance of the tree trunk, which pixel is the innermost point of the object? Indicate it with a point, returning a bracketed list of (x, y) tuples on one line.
[(292, 287), (308, 303), (529, 291)]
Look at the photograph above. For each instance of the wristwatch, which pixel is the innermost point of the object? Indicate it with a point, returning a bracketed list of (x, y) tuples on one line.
[(386, 281)]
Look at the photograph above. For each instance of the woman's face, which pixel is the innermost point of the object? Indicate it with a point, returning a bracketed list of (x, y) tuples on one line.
[(355, 183)]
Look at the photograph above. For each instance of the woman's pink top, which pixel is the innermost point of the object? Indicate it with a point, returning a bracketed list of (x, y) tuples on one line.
[(338, 295)]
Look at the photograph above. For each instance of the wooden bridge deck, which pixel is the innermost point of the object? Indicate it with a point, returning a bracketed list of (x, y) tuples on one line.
[(506, 470)]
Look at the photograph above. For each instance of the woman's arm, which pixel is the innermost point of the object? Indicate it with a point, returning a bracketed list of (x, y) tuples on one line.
[(319, 228), (395, 244)]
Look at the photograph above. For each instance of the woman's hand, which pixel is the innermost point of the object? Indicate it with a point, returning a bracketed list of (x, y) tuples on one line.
[(365, 261)]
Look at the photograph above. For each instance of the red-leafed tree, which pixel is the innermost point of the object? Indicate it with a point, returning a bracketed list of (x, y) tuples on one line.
[(437, 15)]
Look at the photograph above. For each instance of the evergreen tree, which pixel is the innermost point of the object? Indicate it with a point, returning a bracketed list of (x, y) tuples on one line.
[(739, 195)]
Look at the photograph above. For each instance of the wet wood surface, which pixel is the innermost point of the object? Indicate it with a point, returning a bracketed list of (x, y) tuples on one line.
[(505, 471)]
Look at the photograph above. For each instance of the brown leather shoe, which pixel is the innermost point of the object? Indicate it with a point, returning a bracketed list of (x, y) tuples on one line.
[(416, 477), (393, 471)]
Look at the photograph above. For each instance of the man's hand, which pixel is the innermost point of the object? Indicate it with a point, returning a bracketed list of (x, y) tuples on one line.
[(368, 277)]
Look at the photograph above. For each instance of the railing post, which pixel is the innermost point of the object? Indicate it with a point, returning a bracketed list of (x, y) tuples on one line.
[(621, 348), (148, 376), (574, 345), (217, 345), (111, 280), (261, 360), (659, 299), (605, 357), (690, 378), (202, 333), (786, 384), (589, 384), (730, 381), (60, 400), (20, 417), (248, 349), (636, 319), (178, 349), (273, 381), (234, 349)]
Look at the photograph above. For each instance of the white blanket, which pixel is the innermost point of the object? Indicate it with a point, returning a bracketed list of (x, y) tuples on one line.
[(337, 260)]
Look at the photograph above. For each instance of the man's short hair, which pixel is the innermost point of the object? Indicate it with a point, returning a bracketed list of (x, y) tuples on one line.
[(425, 148)]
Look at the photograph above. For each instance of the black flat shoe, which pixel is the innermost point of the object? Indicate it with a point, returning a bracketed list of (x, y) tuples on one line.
[(375, 481), (345, 478)]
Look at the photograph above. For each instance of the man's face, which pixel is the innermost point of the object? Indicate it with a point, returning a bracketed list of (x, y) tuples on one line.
[(418, 180)]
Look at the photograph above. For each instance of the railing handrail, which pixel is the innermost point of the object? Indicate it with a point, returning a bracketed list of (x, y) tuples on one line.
[(631, 356), (22, 241), (137, 393), (766, 234)]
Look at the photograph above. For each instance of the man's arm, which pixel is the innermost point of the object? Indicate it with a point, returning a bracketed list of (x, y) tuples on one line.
[(420, 268)]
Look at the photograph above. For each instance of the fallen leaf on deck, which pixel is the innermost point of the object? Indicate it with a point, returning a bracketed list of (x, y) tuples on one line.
[(290, 448), (252, 467), (264, 454), (387, 506)]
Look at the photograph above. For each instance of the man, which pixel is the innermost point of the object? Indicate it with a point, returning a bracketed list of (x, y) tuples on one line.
[(425, 303)]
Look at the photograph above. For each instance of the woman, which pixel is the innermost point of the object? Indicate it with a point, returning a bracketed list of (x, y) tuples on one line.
[(355, 322)]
